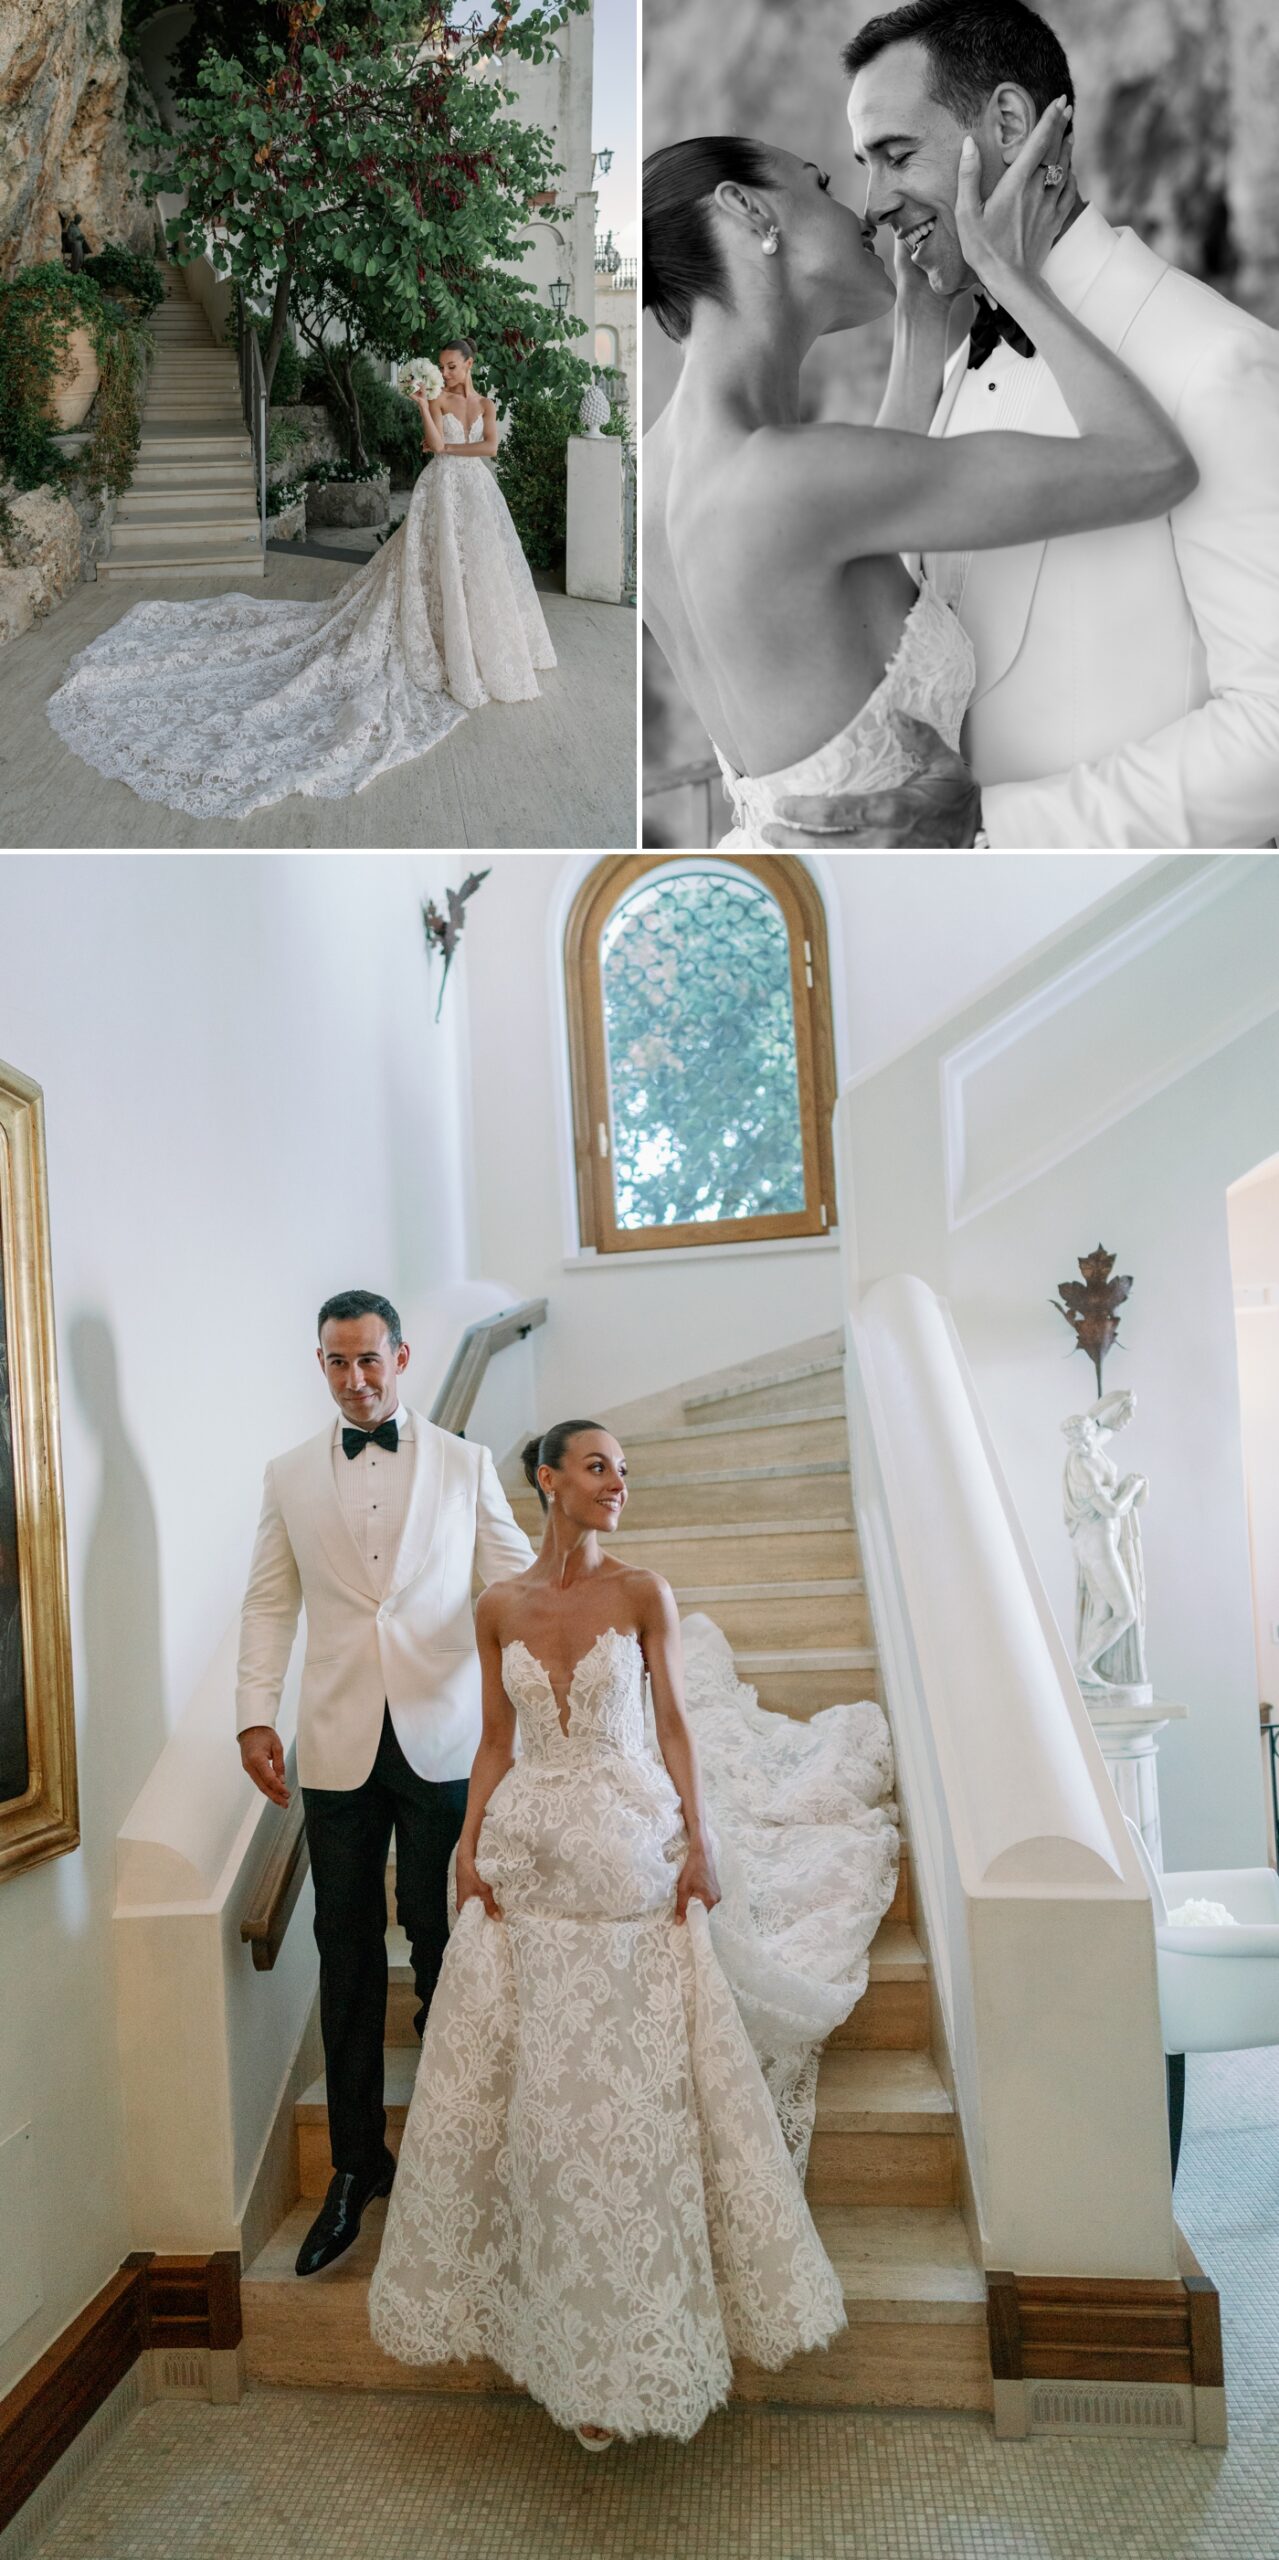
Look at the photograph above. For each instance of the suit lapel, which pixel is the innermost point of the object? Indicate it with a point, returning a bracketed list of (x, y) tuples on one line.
[(1000, 588), (430, 1463)]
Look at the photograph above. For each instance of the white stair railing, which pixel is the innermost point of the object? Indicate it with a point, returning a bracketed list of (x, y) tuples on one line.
[(1036, 1914)]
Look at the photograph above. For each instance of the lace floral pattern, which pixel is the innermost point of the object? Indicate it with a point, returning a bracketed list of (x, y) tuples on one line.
[(594, 2187), (931, 676), (228, 703)]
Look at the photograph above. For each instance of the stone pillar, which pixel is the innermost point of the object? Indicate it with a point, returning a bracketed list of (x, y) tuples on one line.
[(594, 562), (1130, 1749)]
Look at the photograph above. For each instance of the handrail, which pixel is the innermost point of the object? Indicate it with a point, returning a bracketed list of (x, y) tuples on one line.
[(280, 1877), (253, 402)]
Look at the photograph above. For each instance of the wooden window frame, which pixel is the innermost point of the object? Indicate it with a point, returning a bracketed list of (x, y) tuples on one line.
[(795, 891)]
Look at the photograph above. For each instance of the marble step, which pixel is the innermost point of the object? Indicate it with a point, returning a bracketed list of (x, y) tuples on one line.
[(816, 1432), (798, 1681), (193, 446), (744, 1551), (825, 1613), (233, 564), (916, 2335), (183, 504), (884, 2131), (777, 1391), (212, 479), (816, 1489), (224, 535)]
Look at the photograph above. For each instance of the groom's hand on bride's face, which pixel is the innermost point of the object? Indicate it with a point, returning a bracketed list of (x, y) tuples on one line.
[(262, 1755), (935, 808)]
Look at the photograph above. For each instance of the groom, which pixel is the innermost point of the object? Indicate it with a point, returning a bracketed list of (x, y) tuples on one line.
[(1127, 681), (376, 1527)]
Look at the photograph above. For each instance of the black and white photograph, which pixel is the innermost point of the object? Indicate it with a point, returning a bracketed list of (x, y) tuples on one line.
[(961, 464)]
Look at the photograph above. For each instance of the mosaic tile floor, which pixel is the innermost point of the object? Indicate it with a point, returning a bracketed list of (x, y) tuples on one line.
[(295, 2475)]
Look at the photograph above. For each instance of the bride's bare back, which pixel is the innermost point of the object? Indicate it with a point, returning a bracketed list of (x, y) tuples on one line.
[(774, 635)]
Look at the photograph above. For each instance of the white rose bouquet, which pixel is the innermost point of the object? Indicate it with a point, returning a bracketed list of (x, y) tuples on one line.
[(419, 374)]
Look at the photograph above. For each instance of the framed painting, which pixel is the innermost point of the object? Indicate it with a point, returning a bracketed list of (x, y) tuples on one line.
[(39, 1810)]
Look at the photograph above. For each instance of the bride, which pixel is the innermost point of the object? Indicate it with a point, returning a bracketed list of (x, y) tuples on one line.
[(225, 704), (773, 581), (595, 2189)]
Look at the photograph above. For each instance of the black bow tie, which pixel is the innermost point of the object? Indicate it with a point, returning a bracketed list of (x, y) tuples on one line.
[(991, 324), (387, 1436)]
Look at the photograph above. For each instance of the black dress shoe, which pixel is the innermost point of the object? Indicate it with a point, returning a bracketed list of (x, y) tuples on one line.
[(337, 2223)]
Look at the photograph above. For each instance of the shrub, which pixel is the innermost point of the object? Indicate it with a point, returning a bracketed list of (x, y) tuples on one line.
[(127, 276), (391, 427), (39, 307), (532, 467)]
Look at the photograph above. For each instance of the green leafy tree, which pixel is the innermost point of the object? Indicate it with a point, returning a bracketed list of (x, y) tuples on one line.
[(366, 175), (701, 1051)]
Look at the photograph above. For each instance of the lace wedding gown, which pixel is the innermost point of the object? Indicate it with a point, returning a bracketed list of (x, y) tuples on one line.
[(227, 703), (594, 2188), (930, 675)]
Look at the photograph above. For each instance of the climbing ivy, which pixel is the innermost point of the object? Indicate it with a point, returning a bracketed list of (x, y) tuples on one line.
[(39, 308)]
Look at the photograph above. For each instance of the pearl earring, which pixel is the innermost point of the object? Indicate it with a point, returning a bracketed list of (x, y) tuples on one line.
[(770, 242)]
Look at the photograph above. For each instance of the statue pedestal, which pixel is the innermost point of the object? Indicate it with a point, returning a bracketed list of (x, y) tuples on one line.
[(1130, 1749)]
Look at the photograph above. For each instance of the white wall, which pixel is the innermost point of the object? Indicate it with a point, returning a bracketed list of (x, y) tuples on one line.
[(1253, 1216), (1147, 1092), (247, 1107), (910, 939)]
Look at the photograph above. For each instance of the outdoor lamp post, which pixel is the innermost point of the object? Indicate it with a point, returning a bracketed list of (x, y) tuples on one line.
[(559, 297)]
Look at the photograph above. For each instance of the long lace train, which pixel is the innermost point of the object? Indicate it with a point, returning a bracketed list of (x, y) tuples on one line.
[(226, 704)]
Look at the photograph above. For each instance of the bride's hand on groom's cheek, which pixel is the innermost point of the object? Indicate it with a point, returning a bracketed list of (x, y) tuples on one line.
[(937, 807)]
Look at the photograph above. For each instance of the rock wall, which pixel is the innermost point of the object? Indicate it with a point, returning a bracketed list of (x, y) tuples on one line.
[(44, 559), (62, 89)]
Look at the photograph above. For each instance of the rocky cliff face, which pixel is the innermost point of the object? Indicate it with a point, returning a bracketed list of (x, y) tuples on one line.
[(62, 88)]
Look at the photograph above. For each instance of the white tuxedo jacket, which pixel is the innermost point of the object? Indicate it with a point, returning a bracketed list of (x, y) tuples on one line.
[(1128, 681), (411, 1648)]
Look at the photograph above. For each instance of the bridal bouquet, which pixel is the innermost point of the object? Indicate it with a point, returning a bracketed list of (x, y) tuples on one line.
[(419, 374)]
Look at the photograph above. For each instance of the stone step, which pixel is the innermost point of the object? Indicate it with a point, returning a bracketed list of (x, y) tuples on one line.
[(164, 479), (798, 1682), (183, 505), (190, 445), (801, 1614), (235, 564), (816, 1489), (916, 2335), (774, 1439), (743, 1551), (223, 536), (776, 1391)]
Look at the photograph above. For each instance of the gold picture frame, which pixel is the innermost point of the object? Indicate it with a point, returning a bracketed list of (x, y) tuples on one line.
[(39, 1802)]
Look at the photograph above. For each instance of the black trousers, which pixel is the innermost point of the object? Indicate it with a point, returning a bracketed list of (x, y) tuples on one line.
[(348, 1833)]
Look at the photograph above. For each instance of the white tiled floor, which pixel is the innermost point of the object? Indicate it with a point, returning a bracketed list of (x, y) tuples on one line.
[(326, 2476)]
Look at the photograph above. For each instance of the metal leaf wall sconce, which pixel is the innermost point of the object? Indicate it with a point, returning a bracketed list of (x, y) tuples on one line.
[(443, 932), (1091, 1305)]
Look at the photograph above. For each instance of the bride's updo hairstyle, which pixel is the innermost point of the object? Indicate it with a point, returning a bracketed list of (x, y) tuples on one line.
[(459, 347), (682, 265), (549, 1451)]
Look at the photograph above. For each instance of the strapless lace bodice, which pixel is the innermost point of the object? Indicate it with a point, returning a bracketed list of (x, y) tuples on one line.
[(605, 1700), (455, 433), (930, 676)]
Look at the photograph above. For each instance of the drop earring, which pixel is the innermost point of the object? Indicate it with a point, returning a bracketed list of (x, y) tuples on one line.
[(771, 242)]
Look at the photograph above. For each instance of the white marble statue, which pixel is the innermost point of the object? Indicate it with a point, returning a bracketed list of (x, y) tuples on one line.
[(1101, 1509)]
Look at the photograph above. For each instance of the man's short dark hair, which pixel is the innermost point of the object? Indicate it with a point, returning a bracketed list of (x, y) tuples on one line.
[(971, 45), (351, 1303)]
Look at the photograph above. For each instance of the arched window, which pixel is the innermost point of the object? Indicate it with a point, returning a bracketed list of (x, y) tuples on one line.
[(606, 346), (702, 1059)]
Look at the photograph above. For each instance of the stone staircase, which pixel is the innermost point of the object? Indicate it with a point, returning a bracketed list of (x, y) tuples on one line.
[(741, 1496), (191, 507)]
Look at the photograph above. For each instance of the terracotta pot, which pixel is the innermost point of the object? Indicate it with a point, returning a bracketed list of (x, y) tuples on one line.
[(74, 388)]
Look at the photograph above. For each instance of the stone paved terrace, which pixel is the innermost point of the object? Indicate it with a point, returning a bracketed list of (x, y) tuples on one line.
[(559, 772)]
